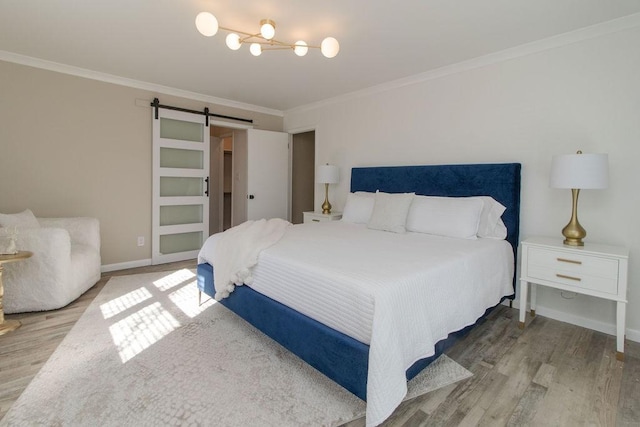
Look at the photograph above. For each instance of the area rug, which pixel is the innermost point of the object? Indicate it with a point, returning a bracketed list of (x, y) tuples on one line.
[(145, 353)]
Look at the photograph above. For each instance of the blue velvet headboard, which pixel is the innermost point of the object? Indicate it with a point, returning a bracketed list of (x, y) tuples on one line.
[(499, 180)]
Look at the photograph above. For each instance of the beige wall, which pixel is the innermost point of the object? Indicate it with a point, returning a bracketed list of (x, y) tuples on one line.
[(71, 146)]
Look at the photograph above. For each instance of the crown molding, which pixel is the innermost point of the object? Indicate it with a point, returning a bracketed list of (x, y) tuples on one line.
[(586, 33), (136, 84)]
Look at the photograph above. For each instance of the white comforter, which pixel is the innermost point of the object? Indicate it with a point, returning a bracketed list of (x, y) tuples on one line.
[(400, 293)]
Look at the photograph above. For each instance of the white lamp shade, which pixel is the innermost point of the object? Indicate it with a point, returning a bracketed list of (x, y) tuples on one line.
[(301, 48), (233, 41), (327, 174), (267, 30), (255, 49), (580, 171), (330, 47), (207, 24)]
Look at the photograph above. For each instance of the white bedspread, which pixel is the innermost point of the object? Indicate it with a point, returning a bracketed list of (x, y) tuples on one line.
[(399, 293), (235, 252)]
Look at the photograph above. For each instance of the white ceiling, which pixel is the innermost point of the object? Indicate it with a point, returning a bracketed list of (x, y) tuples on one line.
[(155, 41)]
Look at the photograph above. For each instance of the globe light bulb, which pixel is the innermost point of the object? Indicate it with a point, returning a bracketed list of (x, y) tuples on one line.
[(207, 24), (233, 41), (330, 47), (267, 29), (301, 48), (255, 49)]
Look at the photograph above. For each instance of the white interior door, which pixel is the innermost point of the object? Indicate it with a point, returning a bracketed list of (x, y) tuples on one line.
[(267, 174), (180, 211)]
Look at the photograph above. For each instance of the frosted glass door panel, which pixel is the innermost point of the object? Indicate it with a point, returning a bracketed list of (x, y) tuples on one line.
[(181, 242), (178, 158), (173, 186), (181, 130), (180, 214)]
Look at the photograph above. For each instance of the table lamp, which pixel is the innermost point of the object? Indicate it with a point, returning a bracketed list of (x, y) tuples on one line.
[(327, 174), (578, 172)]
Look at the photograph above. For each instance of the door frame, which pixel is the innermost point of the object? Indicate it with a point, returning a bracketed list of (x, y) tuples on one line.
[(291, 132), (232, 127)]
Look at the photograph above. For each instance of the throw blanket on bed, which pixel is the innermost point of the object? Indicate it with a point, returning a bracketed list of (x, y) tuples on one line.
[(237, 251)]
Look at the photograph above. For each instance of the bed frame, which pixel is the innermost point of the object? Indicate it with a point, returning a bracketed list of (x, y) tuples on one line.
[(338, 356)]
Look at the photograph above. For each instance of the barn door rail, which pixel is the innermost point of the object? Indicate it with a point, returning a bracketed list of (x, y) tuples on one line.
[(156, 104)]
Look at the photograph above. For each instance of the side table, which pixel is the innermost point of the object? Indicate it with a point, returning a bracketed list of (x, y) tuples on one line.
[(9, 325), (320, 217), (593, 269)]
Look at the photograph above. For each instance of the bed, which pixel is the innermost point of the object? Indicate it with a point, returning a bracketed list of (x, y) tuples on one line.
[(339, 355)]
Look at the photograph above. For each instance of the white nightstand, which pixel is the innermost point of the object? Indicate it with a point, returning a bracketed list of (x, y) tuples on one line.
[(592, 269), (319, 216)]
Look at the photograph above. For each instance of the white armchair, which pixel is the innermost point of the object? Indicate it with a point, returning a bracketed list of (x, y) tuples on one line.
[(65, 263)]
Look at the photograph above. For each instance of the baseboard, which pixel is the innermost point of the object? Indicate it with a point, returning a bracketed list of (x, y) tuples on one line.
[(607, 328), (632, 335), (125, 265)]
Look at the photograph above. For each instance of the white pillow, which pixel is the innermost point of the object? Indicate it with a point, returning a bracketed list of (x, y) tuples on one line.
[(445, 216), (24, 219), (491, 225), (358, 207), (390, 211)]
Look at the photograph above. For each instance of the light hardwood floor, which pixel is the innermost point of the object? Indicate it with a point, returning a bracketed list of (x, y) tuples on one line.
[(549, 374)]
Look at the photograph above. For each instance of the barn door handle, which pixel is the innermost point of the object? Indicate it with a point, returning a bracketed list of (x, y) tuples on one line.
[(206, 192), (251, 197)]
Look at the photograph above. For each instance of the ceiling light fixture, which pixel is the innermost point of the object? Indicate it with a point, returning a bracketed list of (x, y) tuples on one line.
[(207, 25)]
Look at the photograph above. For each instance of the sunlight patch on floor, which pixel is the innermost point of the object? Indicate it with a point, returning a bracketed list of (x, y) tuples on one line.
[(140, 330), (186, 299), (174, 279), (120, 304)]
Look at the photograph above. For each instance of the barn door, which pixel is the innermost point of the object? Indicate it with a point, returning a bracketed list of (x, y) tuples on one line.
[(180, 207)]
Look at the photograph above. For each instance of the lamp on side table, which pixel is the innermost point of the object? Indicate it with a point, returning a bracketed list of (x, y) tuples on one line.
[(578, 171), (327, 174)]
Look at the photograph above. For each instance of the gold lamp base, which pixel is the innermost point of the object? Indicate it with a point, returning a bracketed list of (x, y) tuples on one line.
[(574, 232), (326, 206)]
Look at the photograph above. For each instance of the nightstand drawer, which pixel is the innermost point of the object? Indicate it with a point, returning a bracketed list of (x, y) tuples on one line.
[(588, 272), (574, 263), (594, 283)]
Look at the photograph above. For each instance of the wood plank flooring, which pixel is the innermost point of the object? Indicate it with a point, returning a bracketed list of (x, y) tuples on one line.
[(549, 374)]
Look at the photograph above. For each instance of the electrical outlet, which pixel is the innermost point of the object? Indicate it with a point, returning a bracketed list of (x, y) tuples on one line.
[(140, 240)]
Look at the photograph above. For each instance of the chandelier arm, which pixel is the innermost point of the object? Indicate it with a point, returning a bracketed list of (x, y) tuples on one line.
[(248, 38), (259, 36), (274, 42), (288, 45), (278, 42), (231, 30), (271, 44), (279, 48)]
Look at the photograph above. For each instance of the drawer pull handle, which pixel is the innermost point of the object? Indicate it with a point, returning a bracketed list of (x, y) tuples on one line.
[(562, 276), (315, 220), (569, 261)]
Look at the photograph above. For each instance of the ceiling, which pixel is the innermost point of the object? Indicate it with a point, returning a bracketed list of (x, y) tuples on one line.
[(155, 41)]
